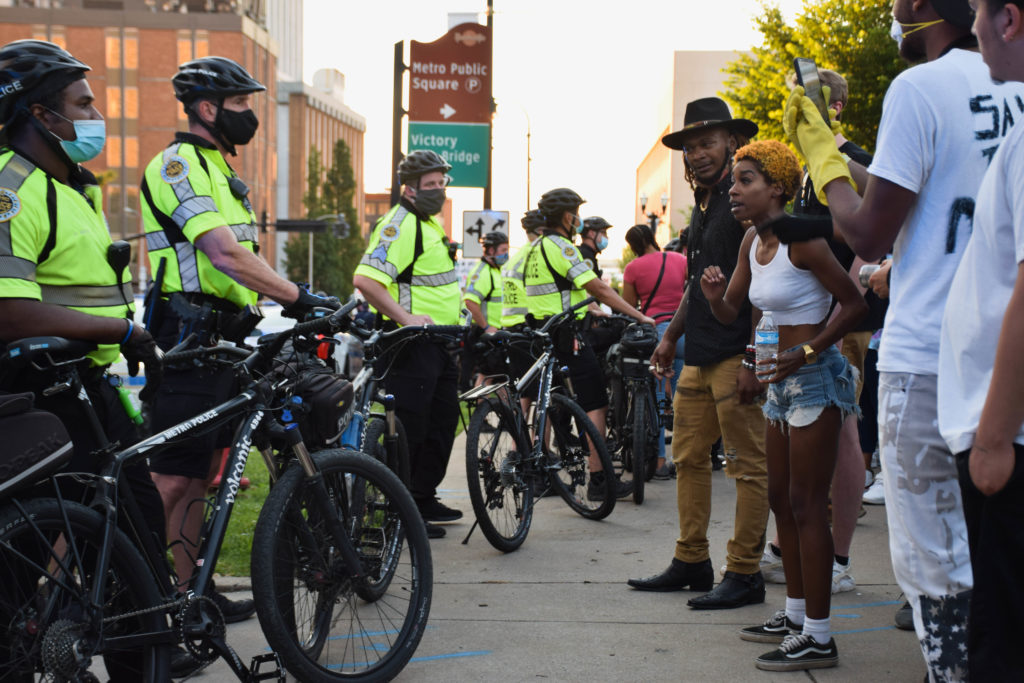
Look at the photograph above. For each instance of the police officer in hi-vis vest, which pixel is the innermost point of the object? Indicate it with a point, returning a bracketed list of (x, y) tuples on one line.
[(202, 239), (56, 280), (408, 275)]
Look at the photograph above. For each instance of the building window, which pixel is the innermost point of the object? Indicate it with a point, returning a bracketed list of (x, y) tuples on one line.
[(131, 49), (114, 151), (184, 49), (113, 52), (131, 102), (113, 102), (131, 151)]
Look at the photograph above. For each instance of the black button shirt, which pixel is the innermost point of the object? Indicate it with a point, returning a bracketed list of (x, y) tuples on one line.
[(714, 240)]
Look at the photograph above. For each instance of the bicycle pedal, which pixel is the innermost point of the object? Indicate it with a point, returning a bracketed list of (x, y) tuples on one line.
[(257, 663)]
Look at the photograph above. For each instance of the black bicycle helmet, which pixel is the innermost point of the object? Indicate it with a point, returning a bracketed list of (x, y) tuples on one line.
[(494, 238), (29, 67), (533, 220), (213, 78), (595, 223), (419, 162), (554, 202)]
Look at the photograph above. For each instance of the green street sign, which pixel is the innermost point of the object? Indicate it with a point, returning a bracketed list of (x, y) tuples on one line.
[(463, 145)]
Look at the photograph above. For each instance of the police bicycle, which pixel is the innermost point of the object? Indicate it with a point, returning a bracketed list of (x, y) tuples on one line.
[(513, 458), (341, 569), (634, 411)]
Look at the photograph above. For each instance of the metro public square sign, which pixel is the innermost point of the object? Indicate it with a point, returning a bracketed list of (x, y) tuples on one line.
[(450, 101)]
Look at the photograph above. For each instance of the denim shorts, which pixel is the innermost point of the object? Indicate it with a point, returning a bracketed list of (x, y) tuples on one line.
[(800, 399)]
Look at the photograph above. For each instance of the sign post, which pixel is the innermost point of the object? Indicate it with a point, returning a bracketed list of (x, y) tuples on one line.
[(450, 101)]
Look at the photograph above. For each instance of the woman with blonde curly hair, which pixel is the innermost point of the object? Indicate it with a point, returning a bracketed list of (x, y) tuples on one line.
[(810, 393)]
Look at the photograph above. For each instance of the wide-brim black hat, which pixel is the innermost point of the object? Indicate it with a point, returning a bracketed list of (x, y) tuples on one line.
[(956, 12), (708, 112)]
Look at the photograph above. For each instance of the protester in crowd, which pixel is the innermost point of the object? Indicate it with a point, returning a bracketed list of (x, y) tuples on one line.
[(934, 144), (408, 275), (849, 481), (654, 283), (981, 378), (811, 391), (715, 393)]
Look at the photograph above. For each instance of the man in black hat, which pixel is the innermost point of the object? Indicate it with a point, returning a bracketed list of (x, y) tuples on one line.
[(942, 123), (715, 391)]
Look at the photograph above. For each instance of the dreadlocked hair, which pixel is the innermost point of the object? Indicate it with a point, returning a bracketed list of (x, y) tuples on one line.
[(776, 162)]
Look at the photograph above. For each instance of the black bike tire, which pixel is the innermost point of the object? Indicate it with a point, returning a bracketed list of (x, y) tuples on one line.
[(639, 446), (486, 490), (374, 432), (270, 572), (605, 507), (84, 526)]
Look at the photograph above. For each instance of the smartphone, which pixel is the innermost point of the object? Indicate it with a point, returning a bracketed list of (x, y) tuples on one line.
[(807, 76)]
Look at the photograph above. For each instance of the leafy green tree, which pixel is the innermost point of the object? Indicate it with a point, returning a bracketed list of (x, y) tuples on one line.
[(850, 37), (334, 257)]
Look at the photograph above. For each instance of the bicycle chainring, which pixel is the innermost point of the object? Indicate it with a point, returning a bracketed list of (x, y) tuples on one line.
[(200, 620)]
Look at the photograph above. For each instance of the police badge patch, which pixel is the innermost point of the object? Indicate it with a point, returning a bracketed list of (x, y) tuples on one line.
[(389, 233), (569, 252), (10, 205), (174, 170)]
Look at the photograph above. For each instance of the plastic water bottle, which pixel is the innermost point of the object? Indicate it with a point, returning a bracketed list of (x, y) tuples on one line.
[(130, 404), (766, 342)]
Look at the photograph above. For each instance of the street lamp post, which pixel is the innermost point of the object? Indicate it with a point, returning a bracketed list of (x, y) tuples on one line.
[(652, 216)]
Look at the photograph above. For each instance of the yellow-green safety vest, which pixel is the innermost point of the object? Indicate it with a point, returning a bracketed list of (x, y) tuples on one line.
[(187, 192), (53, 247), (514, 310), (409, 256), (485, 287), (554, 278)]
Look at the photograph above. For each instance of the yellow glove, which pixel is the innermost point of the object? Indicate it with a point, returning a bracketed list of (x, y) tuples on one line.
[(815, 142), (834, 123), (789, 116)]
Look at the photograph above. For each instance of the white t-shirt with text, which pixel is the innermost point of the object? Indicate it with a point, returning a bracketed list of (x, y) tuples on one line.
[(942, 122), (979, 296)]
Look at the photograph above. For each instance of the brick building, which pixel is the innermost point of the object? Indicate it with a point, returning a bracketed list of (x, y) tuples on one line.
[(134, 48)]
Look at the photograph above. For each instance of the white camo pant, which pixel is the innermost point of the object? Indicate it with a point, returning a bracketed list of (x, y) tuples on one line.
[(927, 531)]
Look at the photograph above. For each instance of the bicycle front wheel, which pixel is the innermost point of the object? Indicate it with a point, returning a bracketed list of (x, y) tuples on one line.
[(570, 439), (325, 624), (47, 625), (502, 495)]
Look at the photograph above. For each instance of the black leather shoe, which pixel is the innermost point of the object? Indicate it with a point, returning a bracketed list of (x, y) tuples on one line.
[(183, 664), (435, 531), (697, 576), (736, 590), (234, 611)]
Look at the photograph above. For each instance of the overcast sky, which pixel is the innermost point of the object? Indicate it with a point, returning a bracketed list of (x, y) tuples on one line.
[(588, 80)]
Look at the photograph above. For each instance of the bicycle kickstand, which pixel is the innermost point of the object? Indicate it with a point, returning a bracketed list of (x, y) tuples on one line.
[(465, 541)]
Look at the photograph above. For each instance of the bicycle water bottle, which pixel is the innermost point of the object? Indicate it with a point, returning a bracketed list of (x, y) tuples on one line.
[(766, 342), (130, 405)]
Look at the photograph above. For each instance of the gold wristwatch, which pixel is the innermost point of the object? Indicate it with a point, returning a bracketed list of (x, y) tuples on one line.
[(810, 355)]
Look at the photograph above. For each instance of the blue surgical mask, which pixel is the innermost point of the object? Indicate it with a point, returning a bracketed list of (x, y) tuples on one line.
[(501, 259), (579, 225), (602, 243), (90, 136)]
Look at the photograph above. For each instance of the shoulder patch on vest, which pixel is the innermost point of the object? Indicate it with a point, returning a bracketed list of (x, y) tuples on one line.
[(10, 205), (389, 233), (174, 170), (590, 264), (569, 252)]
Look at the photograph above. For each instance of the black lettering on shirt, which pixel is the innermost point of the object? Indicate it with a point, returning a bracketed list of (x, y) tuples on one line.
[(963, 207), (977, 108), (1007, 117)]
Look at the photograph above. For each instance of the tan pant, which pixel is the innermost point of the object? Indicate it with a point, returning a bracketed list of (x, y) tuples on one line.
[(855, 348), (706, 406)]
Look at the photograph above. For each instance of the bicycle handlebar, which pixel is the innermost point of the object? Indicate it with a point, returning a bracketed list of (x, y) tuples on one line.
[(559, 317), (204, 351)]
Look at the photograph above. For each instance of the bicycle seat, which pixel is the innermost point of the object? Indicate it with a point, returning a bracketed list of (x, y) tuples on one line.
[(46, 352)]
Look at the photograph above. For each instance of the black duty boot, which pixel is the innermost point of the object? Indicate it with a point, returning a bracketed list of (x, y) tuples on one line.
[(697, 576), (736, 590)]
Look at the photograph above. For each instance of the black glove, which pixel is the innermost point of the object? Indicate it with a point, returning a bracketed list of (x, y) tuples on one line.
[(307, 302), (791, 229), (141, 348)]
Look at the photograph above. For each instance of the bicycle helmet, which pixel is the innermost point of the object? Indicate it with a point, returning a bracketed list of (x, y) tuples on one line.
[(533, 220), (595, 223), (494, 239), (28, 68), (214, 78), (554, 202), (419, 162)]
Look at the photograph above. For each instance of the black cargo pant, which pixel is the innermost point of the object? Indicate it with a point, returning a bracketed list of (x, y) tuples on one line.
[(424, 380)]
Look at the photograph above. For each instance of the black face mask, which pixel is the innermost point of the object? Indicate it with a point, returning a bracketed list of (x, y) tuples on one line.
[(429, 202), (238, 127)]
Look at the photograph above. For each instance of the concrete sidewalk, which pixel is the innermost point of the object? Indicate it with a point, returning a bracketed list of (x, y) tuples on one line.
[(559, 608)]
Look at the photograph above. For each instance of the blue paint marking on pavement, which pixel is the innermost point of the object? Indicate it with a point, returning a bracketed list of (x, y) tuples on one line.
[(868, 604), (864, 630), (453, 655), (848, 616)]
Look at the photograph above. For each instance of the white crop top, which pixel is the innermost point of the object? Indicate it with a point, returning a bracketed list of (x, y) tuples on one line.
[(793, 295)]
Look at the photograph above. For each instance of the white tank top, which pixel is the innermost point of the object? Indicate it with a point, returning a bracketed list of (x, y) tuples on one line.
[(793, 295)]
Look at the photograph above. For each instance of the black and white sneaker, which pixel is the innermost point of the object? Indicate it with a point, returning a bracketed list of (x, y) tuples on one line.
[(774, 630), (799, 652)]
